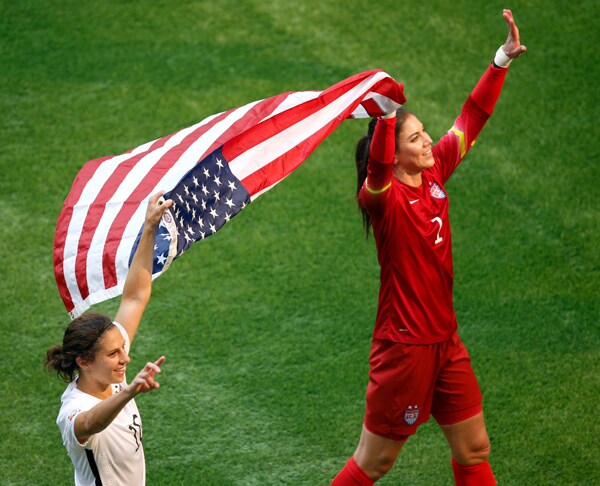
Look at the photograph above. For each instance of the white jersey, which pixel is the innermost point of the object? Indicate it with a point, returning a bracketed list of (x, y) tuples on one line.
[(114, 456)]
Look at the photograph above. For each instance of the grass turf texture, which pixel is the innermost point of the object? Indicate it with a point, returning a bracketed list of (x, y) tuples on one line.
[(266, 326)]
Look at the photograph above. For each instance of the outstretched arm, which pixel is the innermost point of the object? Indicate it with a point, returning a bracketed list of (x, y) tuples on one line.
[(453, 146), (138, 284), (488, 89)]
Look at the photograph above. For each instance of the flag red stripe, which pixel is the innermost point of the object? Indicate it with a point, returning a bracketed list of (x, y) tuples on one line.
[(371, 106)]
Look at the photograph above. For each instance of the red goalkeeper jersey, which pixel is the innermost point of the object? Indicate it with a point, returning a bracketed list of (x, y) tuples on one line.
[(411, 225)]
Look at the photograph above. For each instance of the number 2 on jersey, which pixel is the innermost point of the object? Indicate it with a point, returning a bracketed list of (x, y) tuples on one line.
[(439, 221)]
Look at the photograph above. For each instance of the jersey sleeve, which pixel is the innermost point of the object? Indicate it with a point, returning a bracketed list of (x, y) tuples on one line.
[(69, 411), (380, 166), (452, 148)]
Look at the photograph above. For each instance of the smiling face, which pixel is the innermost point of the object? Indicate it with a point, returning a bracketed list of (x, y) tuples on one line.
[(413, 150), (108, 365)]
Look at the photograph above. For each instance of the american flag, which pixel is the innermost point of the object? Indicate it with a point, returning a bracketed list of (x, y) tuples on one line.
[(211, 170)]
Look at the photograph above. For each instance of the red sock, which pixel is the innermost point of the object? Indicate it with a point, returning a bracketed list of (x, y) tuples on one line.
[(352, 475), (477, 475)]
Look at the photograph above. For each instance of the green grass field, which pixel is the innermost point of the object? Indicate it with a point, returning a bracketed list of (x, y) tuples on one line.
[(266, 326)]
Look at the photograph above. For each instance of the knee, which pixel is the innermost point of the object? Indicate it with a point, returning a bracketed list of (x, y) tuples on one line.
[(380, 467), (475, 453), (482, 451)]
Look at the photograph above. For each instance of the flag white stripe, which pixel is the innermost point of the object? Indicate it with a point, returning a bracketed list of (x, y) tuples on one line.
[(384, 103), (360, 112)]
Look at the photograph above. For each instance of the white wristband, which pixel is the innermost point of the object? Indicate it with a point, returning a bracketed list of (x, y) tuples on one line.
[(501, 59)]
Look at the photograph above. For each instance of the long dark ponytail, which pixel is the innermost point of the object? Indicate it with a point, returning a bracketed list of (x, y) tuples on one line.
[(81, 340), (363, 147)]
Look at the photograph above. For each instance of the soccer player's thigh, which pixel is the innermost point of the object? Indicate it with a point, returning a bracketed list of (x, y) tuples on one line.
[(456, 396), (400, 389)]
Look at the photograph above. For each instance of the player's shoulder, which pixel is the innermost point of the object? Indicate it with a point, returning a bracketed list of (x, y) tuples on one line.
[(74, 396), (71, 391), (70, 404)]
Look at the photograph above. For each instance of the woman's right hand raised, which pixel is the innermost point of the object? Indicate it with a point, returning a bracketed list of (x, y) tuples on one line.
[(156, 207), (144, 381)]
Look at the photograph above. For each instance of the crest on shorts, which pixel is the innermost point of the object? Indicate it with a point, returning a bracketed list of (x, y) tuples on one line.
[(436, 191), (411, 414)]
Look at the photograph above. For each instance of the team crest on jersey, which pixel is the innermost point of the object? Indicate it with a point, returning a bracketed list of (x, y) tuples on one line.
[(411, 414), (436, 191), (72, 414)]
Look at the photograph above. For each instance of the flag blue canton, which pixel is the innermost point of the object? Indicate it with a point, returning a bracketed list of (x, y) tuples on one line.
[(206, 198)]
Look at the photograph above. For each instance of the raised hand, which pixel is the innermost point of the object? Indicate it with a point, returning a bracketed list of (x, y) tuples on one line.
[(144, 381), (156, 207), (512, 47)]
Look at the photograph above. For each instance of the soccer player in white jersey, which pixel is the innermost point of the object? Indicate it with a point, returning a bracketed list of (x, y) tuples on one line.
[(98, 418)]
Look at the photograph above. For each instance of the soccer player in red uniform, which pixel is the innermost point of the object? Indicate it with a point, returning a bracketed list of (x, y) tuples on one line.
[(418, 364)]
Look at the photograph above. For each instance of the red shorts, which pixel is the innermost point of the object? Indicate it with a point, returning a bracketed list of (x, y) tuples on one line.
[(408, 382)]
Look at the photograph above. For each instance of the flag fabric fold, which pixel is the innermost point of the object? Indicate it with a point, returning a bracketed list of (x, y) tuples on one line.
[(211, 170)]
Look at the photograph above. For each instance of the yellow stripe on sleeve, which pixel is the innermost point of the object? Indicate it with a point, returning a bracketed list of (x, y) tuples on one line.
[(461, 137), (376, 191)]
